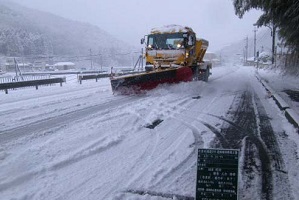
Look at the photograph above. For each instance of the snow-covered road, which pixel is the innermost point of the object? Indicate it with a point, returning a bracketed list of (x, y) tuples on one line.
[(83, 142)]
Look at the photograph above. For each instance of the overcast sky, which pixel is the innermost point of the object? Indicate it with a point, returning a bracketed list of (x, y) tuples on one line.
[(130, 20)]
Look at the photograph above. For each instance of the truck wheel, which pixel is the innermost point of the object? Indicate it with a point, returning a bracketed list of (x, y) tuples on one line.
[(201, 76), (206, 75)]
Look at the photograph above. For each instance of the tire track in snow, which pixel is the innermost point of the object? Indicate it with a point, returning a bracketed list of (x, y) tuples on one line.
[(210, 127), (184, 164), (267, 135), (63, 119), (223, 141), (87, 151), (251, 125), (223, 75), (159, 194), (82, 154), (51, 100), (172, 105), (165, 177), (245, 124), (28, 112), (281, 184), (183, 167), (68, 193), (161, 174), (142, 160), (191, 159), (163, 171), (156, 173), (91, 149), (168, 108), (52, 96)]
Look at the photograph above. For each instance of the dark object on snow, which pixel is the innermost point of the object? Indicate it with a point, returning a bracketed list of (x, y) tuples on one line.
[(198, 97), (154, 124), (294, 95)]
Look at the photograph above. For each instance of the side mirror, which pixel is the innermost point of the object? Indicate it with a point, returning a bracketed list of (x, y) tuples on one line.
[(190, 40), (142, 41)]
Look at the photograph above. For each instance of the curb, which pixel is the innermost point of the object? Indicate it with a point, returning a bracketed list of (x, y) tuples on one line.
[(289, 113)]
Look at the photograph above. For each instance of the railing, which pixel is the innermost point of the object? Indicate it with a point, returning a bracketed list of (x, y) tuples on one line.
[(92, 76), (97, 76), (31, 83), (63, 72), (9, 79)]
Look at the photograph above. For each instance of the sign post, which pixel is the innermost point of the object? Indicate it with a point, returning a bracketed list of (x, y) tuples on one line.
[(217, 174)]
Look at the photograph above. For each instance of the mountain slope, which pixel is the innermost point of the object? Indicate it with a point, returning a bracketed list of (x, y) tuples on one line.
[(28, 32)]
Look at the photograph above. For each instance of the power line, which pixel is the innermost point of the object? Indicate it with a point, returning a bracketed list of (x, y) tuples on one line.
[(263, 36)]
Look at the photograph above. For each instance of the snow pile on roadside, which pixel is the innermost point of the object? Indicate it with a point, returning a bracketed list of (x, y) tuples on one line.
[(281, 84), (278, 80)]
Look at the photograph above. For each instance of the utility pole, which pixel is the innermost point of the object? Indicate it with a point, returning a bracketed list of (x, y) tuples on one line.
[(244, 57), (273, 32), (246, 49), (254, 53), (273, 35), (90, 58), (101, 62)]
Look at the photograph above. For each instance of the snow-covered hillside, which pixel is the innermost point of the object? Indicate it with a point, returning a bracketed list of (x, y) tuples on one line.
[(30, 33)]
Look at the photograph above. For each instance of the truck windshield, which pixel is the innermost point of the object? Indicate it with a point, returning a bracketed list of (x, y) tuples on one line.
[(166, 41)]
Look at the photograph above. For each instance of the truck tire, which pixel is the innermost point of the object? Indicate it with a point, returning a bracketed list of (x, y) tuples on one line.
[(201, 76), (206, 75)]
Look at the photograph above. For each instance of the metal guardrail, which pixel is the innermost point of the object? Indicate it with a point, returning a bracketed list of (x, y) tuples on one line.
[(10, 79), (63, 72), (36, 83), (97, 76), (92, 76)]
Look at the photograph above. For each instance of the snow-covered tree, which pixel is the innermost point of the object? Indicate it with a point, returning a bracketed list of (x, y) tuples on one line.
[(281, 14)]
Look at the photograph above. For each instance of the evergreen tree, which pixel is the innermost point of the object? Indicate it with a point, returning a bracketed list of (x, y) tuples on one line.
[(283, 14)]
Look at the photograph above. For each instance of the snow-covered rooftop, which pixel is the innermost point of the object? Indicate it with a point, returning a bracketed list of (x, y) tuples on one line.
[(64, 63), (171, 29)]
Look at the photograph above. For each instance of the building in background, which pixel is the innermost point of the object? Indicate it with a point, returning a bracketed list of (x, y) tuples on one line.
[(64, 65), (212, 58)]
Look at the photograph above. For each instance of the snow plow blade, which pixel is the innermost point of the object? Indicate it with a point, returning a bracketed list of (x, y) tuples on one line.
[(137, 83)]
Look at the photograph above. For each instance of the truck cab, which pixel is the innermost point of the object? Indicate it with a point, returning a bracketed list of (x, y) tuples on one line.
[(173, 46)]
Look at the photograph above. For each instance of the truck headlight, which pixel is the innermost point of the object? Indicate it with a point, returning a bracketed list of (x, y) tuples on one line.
[(187, 55)]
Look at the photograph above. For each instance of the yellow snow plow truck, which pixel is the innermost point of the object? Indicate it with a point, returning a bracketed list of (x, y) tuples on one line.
[(173, 54)]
